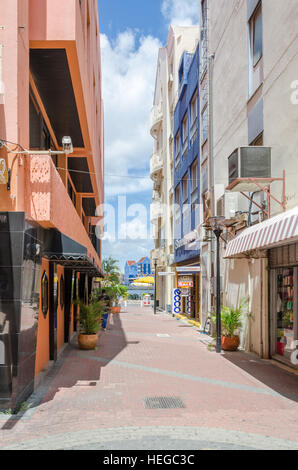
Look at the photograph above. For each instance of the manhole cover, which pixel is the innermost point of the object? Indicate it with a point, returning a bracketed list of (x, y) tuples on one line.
[(152, 403)]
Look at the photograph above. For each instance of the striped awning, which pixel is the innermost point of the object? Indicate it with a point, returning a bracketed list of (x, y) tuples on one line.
[(278, 230)]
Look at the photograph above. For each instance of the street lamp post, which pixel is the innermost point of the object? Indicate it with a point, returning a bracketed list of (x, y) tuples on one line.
[(216, 226), (155, 277)]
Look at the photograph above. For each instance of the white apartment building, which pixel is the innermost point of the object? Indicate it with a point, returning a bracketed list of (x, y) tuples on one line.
[(250, 99), (180, 39)]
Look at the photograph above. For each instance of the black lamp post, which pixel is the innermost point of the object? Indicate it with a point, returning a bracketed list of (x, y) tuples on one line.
[(155, 277), (216, 224)]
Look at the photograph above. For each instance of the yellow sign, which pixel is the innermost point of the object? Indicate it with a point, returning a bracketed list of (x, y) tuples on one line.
[(3, 172)]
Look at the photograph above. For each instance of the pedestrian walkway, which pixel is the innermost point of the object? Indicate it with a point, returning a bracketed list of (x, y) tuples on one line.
[(153, 383)]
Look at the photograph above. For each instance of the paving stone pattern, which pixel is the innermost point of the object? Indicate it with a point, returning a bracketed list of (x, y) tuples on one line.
[(97, 399)]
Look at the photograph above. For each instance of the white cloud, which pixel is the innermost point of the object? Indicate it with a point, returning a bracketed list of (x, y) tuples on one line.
[(181, 12), (129, 68)]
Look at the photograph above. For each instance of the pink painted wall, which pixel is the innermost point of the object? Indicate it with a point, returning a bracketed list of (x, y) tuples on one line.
[(50, 23), (14, 118)]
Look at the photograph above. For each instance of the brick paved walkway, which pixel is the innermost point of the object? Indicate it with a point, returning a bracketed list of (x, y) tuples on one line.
[(97, 399)]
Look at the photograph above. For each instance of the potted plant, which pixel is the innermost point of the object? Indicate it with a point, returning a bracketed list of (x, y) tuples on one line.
[(230, 326), (116, 292), (90, 320)]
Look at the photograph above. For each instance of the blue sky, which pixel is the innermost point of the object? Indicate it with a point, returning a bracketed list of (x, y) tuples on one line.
[(131, 34), (145, 16)]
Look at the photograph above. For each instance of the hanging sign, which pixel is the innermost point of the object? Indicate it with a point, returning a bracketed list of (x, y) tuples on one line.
[(3, 172)]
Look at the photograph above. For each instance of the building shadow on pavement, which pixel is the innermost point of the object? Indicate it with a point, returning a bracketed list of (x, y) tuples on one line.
[(77, 368), (280, 380)]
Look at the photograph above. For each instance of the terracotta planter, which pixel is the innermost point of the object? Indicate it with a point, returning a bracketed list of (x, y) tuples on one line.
[(87, 342), (230, 343), (115, 309)]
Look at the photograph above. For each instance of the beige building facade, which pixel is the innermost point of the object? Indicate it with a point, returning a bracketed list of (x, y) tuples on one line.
[(180, 39), (250, 84)]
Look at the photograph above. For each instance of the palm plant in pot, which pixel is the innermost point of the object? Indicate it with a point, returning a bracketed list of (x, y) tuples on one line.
[(90, 320), (231, 323), (116, 292)]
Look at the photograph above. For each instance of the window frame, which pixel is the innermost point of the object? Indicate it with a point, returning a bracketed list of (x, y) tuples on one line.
[(257, 15)]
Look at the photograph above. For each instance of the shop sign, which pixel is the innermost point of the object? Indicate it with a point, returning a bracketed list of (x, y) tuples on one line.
[(3, 172), (185, 284)]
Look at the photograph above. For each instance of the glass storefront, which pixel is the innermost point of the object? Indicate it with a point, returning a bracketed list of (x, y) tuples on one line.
[(284, 303), (285, 332)]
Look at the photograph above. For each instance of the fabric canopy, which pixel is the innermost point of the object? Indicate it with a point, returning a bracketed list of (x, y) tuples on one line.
[(278, 230)]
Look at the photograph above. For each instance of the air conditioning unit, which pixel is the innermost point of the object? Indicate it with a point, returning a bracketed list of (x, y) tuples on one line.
[(250, 162), (230, 205)]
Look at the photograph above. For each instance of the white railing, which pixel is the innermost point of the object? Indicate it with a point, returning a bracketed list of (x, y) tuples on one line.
[(155, 118), (156, 165)]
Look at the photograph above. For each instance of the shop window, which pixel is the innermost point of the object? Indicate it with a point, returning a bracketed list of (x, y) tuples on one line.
[(285, 332), (44, 294)]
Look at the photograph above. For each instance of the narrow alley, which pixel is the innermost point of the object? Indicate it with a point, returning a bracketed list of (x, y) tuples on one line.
[(153, 383)]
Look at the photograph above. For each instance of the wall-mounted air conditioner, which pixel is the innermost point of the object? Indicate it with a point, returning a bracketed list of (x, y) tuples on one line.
[(250, 162)]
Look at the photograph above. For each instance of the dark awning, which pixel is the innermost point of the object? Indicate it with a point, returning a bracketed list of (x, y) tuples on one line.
[(69, 253)]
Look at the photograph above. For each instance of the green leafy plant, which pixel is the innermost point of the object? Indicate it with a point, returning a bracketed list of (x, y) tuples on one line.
[(231, 318), (90, 317)]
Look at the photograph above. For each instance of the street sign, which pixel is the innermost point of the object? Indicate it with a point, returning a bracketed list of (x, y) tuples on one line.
[(166, 274)]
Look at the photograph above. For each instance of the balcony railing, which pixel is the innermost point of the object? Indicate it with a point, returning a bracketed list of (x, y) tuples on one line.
[(156, 117), (156, 166)]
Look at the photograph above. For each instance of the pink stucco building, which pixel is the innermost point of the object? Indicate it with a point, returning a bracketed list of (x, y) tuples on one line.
[(50, 87)]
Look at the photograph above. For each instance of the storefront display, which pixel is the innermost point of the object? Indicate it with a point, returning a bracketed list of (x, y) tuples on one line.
[(284, 302), (285, 313)]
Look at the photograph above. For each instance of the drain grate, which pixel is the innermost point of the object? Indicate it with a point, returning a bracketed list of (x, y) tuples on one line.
[(153, 403)]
